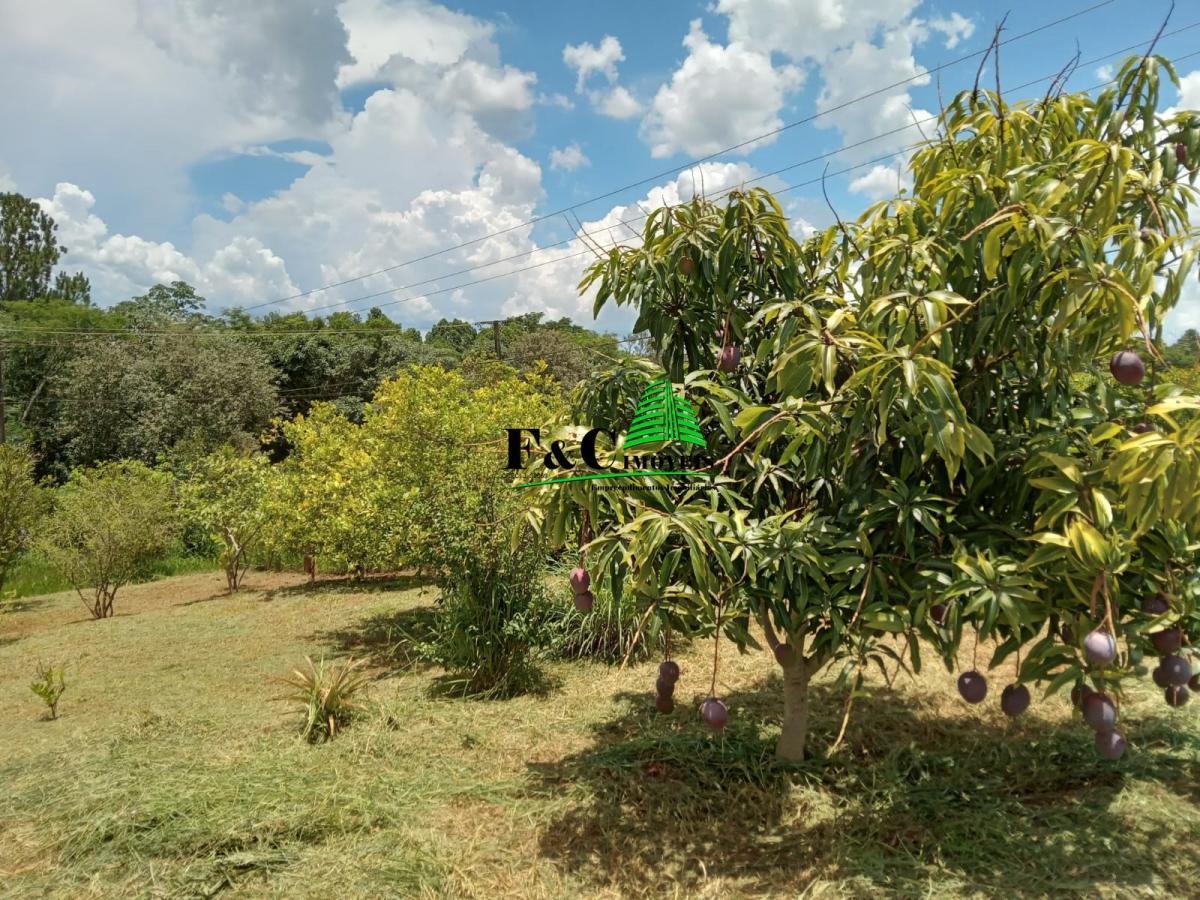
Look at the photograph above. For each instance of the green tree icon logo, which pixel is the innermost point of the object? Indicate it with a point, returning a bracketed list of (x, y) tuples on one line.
[(663, 417)]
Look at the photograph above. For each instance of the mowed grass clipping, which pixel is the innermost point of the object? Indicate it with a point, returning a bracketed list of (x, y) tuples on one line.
[(172, 772)]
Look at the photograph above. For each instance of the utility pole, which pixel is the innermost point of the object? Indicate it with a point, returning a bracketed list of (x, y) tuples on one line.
[(496, 323)]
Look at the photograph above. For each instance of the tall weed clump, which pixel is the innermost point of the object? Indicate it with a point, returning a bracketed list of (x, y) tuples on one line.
[(611, 632)]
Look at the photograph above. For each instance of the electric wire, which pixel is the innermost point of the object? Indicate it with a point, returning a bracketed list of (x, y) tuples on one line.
[(392, 332), (923, 74)]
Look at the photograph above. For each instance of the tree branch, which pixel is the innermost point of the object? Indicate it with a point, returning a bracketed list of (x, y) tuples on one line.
[(841, 224), (994, 217), (1141, 320)]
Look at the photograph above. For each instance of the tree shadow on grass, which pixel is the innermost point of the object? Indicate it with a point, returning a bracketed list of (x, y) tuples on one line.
[(370, 584), (531, 680), (916, 802), (24, 604), (388, 641), (219, 595)]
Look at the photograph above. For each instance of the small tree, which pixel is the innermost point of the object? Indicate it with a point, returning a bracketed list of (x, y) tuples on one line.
[(321, 503), (225, 493), (49, 686), (109, 522), (21, 504)]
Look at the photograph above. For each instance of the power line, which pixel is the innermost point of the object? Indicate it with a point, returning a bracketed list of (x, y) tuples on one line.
[(628, 223), (695, 162), (366, 331)]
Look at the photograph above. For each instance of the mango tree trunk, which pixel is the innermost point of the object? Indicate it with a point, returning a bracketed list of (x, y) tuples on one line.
[(797, 670), (795, 712)]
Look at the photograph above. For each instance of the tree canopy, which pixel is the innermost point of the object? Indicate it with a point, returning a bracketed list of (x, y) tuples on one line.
[(921, 438), (29, 248)]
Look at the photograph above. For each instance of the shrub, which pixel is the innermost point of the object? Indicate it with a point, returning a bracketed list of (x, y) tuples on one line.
[(326, 694), (225, 493), (22, 502), (49, 686), (110, 523), (487, 628), (613, 630)]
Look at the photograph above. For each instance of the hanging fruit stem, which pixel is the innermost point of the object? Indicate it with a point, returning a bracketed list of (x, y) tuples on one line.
[(585, 536), (637, 633), (716, 648), (1109, 619)]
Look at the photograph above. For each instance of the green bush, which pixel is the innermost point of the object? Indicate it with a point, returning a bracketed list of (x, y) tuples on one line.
[(49, 686), (110, 525), (487, 628)]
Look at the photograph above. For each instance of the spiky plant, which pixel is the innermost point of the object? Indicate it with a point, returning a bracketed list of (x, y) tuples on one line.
[(327, 695)]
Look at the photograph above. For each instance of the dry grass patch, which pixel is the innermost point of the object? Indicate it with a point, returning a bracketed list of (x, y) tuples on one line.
[(171, 772)]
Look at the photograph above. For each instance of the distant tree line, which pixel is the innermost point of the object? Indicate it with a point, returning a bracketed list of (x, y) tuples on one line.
[(157, 377)]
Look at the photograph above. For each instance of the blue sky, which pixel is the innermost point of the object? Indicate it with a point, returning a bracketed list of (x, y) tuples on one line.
[(269, 152)]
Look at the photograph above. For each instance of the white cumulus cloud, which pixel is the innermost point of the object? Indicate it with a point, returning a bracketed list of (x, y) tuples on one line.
[(1189, 90), (612, 100), (568, 158), (954, 28), (588, 59), (415, 30), (881, 182), (122, 265), (724, 94), (617, 103), (279, 54), (719, 96)]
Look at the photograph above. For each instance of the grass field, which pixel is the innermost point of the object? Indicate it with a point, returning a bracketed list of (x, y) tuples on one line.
[(171, 772), (33, 575)]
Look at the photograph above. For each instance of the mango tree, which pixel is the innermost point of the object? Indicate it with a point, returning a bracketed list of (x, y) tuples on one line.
[(918, 440), (225, 493)]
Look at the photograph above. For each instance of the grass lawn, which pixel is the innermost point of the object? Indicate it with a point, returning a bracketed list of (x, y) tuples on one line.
[(172, 772)]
